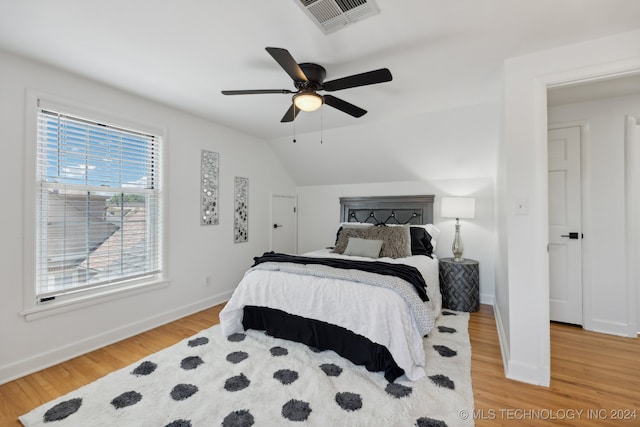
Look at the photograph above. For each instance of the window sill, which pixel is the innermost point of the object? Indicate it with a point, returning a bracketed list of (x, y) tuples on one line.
[(57, 307)]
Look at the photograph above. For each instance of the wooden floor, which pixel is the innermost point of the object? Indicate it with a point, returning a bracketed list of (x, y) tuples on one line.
[(595, 378)]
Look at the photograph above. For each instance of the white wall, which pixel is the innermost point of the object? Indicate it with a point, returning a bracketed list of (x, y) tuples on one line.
[(319, 216), (604, 216), (194, 251), (524, 162), (417, 146)]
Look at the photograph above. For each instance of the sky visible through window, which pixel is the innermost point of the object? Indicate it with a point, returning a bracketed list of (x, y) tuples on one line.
[(98, 156)]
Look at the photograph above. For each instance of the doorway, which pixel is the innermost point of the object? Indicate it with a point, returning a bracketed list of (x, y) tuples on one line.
[(565, 224), (284, 220)]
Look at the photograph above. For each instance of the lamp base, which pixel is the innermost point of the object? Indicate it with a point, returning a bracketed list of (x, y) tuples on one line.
[(457, 246)]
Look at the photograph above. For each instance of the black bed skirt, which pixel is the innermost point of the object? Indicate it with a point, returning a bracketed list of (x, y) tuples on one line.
[(323, 336)]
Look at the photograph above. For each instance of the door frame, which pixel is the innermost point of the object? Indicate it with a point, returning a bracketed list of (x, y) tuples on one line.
[(585, 219), (632, 210), (295, 225)]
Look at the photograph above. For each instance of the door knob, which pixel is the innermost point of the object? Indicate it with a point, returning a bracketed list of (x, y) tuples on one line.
[(277, 225), (571, 235)]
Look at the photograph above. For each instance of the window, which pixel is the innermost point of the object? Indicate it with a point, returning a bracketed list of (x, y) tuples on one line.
[(98, 214)]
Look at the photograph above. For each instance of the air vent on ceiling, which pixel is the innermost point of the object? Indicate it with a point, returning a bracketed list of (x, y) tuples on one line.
[(331, 15)]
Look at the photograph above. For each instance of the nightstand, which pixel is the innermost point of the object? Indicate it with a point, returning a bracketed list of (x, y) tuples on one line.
[(460, 284)]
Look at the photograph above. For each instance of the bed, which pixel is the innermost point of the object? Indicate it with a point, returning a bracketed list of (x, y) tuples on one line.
[(372, 311)]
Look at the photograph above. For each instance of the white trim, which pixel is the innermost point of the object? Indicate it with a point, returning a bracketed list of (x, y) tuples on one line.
[(614, 328), (70, 304), (632, 213), (34, 99), (68, 351), (488, 299), (502, 338)]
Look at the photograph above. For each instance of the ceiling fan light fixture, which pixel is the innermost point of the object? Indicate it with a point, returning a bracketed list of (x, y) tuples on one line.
[(308, 101)]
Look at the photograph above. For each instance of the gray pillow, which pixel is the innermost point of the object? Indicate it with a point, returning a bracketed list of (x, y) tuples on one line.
[(363, 247)]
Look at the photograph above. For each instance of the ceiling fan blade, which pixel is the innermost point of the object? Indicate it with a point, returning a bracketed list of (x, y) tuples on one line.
[(344, 106), (290, 115), (255, 92), (362, 79), (286, 61)]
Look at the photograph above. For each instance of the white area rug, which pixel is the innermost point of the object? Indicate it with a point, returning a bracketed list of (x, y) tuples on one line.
[(254, 379)]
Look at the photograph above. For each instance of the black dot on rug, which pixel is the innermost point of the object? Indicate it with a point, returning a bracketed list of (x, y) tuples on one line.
[(446, 330), (241, 418), (398, 390), (236, 383), (296, 410), (279, 351), (237, 356), (62, 410), (145, 368), (285, 376), (442, 381), (198, 341), (179, 423), (237, 337), (315, 349), (349, 401), (191, 362), (126, 399), (331, 370), (430, 422), (448, 313), (444, 351), (183, 391)]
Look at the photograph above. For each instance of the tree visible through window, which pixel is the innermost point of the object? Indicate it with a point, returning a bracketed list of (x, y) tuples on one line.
[(97, 205)]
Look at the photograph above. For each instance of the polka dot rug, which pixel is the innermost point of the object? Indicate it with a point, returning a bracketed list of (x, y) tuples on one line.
[(251, 379)]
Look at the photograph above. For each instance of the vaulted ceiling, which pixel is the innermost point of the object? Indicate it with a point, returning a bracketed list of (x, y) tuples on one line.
[(443, 54)]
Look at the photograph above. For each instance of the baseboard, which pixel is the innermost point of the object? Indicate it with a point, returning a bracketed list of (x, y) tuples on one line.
[(613, 328), (528, 373), (515, 370), (502, 339), (487, 299), (69, 351)]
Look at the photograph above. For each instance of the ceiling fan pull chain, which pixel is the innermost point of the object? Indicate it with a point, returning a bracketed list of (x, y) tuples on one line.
[(321, 121), (294, 122)]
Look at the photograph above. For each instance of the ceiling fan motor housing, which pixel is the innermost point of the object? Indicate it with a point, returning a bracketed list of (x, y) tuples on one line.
[(315, 74)]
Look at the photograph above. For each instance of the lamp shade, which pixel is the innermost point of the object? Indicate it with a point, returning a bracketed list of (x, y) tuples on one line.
[(458, 207), (307, 101)]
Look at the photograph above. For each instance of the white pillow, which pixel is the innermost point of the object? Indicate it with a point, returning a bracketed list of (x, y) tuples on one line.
[(363, 247)]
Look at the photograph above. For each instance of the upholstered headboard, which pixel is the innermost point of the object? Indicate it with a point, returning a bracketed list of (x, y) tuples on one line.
[(387, 209)]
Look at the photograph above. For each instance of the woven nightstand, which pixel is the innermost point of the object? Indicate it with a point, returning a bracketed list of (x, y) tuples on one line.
[(460, 284)]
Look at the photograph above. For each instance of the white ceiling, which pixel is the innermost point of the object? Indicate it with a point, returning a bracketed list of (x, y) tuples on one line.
[(442, 53)]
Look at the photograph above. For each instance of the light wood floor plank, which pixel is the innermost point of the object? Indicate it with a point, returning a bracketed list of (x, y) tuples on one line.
[(589, 372)]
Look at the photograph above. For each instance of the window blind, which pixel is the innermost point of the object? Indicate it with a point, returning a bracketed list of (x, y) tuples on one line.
[(98, 208)]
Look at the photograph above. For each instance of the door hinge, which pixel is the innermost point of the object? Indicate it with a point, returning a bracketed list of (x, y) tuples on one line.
[(294, 209)]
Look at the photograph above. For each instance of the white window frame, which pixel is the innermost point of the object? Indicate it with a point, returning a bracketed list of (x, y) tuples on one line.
[(32, 309)]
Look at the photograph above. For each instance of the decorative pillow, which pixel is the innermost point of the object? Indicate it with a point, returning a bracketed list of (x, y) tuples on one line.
[(363, 247), (345, 233), (351, 225), (433, 231), (397, 240), (421, 242)]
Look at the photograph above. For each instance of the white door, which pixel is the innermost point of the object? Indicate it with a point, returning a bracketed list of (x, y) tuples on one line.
[(283, 224), (565, 234)]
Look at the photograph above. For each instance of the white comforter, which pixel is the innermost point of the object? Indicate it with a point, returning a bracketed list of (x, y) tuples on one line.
[(377, 313)]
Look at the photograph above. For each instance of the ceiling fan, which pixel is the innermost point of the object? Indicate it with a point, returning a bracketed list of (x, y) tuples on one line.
[(308, 79)]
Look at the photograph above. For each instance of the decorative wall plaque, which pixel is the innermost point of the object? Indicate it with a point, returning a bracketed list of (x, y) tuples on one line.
[(241, 214), (209, 188)]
